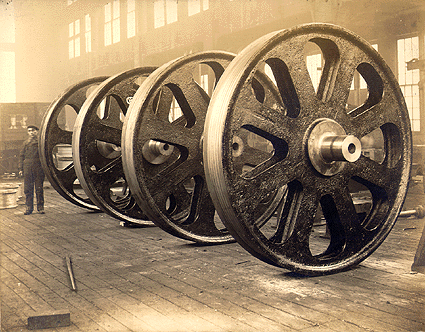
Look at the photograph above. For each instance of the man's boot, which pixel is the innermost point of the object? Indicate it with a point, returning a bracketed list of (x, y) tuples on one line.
[(28, 211)]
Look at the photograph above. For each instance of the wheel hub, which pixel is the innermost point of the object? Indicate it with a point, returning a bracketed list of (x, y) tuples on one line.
[(330, 148), (157, 152)]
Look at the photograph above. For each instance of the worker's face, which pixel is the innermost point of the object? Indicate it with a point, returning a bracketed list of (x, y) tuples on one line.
[(32, 132)]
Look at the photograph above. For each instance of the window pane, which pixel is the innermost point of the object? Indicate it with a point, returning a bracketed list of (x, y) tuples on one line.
[(88, 41), (108, 14), (116, 11), (87, 22), (194, 7), (77, 46), (415, 76), (71, 29), (205, 4), (108, 36), (116, 30), (159, 17), (131, 24), (77, 27), (408, 48), (71, 49), (415, 47), (131, 5), (416, 125), (415, 113), (171, 7)]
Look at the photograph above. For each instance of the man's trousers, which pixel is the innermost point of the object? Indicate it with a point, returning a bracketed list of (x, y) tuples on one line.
[(33, 178)]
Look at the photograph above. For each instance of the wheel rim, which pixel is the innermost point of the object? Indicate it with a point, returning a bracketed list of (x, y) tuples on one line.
[(289, 128), (170, 187), (97, 145), (52, 136)]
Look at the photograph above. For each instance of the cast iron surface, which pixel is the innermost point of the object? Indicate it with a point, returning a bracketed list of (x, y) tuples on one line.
[(235, 108), (52, 135), (96, 145), (173, 192)]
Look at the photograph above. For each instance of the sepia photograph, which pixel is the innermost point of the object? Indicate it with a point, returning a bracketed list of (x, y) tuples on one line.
[(212, 165)]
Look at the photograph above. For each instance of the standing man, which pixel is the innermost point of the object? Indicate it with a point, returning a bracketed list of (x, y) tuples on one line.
[(30, 168)]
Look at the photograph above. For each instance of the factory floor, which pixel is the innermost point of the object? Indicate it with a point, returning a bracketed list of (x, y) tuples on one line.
[(143, 279)]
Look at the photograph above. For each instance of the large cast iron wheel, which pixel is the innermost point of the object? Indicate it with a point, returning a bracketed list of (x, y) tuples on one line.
[(162, 157), (54, 137), (316, 152), (96, 145)]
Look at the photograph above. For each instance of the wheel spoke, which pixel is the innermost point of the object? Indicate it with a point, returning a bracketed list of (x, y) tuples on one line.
[(374, 118), (181, 199), (60, 137), (162, 104), (292, 79), (109, 173), (67, 177), (275, 122), (340, 62), (297, 224), (173, 176), (259, 187), (377, 174), (77, 99), (286, 218), (251, 157), (194, 100), (343, 223), (101, 131), (171, 133)]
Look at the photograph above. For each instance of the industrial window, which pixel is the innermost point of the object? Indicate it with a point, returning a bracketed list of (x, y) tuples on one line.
[(131, 18), (195, 6), (87, 34), (408, 49), (74, 39), (112, 22), (165, 12)]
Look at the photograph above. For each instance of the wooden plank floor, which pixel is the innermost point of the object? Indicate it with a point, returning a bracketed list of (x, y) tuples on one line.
[(143, 279)]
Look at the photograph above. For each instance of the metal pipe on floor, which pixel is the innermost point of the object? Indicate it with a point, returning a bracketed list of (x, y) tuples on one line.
[(70, 272)]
